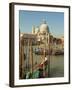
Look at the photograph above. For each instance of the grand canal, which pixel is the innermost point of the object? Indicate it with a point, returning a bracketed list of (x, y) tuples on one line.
[(57, 66), (56, 63)]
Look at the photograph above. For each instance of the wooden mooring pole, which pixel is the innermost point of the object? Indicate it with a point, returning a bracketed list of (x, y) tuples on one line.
[(31, 56)]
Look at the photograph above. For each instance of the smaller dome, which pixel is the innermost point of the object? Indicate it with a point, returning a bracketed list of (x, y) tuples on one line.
[(36, 30)]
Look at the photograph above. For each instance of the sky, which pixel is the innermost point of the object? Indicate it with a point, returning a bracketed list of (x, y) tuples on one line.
[(55, 21)]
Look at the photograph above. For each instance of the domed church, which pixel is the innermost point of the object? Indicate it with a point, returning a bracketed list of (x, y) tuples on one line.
[(42, 32)]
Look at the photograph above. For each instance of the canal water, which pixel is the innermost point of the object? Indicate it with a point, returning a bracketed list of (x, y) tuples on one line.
[(56, 64)]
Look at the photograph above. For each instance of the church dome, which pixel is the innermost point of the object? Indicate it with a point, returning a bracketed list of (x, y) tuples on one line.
[(44, 28)]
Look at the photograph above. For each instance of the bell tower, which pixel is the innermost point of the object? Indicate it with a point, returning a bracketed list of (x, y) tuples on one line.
[(33, 29)]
